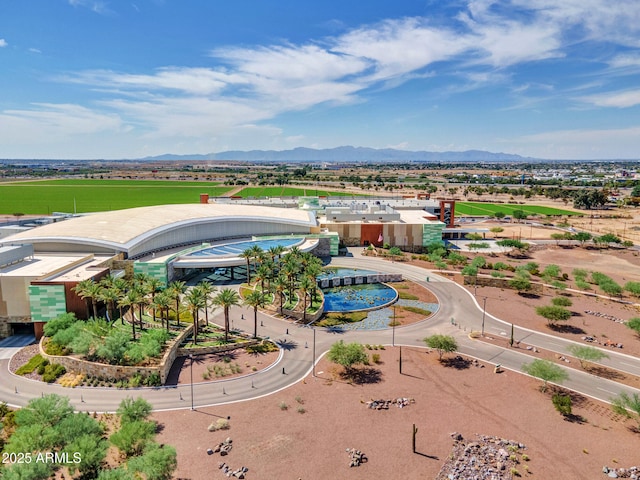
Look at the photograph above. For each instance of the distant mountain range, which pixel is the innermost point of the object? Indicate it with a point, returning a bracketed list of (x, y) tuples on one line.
[(348, 154)]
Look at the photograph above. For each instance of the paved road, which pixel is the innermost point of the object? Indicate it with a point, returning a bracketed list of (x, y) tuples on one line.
[(297, 353)]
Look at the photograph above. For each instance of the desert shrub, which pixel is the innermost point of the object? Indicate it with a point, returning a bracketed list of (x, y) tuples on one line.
[(153, 380), (375, 358), (562, 403), (219, 424), (283, 406), (500, 266), (561, 301), (52, 348), (301, 410), (263, 347), (42, 367), (52, 372), (59, 323), (33, 364)]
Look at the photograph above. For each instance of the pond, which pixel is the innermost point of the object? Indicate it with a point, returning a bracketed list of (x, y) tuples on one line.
[(358, 297)]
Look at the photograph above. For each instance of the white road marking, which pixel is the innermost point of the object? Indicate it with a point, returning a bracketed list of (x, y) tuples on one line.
[(608, 391)]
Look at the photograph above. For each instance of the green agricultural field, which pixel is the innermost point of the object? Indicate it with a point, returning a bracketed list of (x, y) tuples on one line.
[(85, 195), (256, 192), (480, 209)]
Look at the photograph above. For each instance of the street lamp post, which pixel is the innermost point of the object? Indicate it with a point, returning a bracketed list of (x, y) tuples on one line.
[(393, 328), (191, 368), (484, 311), (313, 367)]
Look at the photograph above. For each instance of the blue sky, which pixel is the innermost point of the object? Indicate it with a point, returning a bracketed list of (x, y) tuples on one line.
[(119, 79)]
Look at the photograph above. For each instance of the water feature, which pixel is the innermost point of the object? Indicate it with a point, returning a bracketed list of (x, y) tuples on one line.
[(358, 297), (329, 273)]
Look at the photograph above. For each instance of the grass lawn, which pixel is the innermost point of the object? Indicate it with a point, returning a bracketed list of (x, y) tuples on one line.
[(478, 208), (99, 195), (290, 192)]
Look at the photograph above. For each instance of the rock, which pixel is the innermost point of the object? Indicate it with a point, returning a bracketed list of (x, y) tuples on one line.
[(612, 474), (209, 451)]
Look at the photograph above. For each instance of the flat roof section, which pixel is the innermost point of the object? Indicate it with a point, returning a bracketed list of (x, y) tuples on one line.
[(41, 265)]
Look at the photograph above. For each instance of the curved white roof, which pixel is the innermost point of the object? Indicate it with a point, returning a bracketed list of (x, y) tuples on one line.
[(166, 225)]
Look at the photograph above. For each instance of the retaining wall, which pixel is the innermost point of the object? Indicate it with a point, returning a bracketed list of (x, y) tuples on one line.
[(120, 372)]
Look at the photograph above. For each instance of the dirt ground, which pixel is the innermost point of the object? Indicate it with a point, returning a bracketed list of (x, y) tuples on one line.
[(326, 415)]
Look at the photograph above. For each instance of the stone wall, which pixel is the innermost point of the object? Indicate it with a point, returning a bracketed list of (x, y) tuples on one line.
[(536, 288), (184, 352), (119, 372), (5, 329), (360, 279), (323, 249)]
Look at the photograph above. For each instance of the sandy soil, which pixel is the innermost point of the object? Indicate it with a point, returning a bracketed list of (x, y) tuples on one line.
[(284, 443), (203, 365)]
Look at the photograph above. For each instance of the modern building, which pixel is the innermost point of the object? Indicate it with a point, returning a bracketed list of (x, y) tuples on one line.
[(40, 267)]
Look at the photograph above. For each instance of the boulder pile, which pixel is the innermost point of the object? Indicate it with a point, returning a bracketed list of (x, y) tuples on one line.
[(631, 472), (486, 458), (223, 447), (356, 457), (385, 404), (229, 472)]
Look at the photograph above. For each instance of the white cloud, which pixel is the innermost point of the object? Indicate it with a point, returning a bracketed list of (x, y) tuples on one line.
[(93, 5), (623, 99), (3, 43)]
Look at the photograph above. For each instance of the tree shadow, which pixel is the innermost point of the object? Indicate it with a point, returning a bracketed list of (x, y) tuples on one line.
[(456, 362), (362, 376), (529, 295), (573, 418), (604, 372), (337, 329), (287, 345), (566, 329)]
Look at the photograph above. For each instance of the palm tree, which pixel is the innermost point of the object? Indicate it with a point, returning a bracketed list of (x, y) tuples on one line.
[(247, 254), (110, 295), (280, 284), (162, 301), (130, 300), (306, 284), (88, 289), (153, 286), (207, 289), (262, 274), (195, 300), (255, 299), (140, 291), (176, 289), (226, 298)]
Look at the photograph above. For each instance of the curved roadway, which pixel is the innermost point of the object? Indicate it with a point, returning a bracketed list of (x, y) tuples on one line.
[(296, 361)]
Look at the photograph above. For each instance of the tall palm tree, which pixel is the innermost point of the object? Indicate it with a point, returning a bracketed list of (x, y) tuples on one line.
[(130, 300), (247, 254), (162, 301), (254, 300), (110, 295), (153, 286), (89, 289), (195, 301), (280, 285), (82, 289), (207, 289), (226, 298), (306, 284), (177, 289), (140, 290), (262, 273)]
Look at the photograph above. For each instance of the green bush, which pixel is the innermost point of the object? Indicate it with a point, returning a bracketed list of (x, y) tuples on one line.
[(562, 403), (52, 372), (52, 348), (33, 364), (42, 367), (561, 301)]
